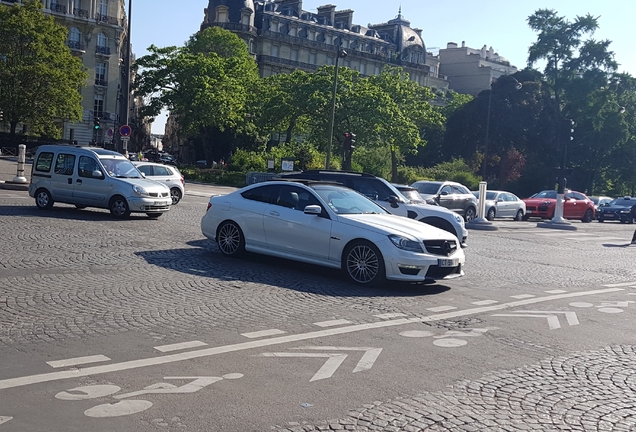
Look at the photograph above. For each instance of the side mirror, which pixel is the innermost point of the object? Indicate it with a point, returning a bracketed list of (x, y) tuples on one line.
[(98, 174), (313, 209), (393, 200), (143, 174), (443, 194)]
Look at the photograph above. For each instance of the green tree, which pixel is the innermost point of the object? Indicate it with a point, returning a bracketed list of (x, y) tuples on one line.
[(208, 84), (39, 77)]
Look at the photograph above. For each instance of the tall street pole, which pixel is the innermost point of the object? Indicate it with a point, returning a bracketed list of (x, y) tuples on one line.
[(126, 94), (341, 53)]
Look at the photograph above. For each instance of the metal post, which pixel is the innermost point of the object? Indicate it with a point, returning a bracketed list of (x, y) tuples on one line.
[(20, 178), (341, 53), (483, 169), (127, 61)]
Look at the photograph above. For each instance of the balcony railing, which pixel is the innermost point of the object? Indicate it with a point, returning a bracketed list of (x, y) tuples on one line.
[(81, 13), (58, 8), (76, 45), (101, 82), (280, 61), (102, 50), (105, 19)]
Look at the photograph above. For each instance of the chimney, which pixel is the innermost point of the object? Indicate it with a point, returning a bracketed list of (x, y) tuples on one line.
[(327, 11)]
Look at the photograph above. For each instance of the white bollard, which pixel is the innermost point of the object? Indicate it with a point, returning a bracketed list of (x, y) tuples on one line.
[(483, 187), (20, 178)]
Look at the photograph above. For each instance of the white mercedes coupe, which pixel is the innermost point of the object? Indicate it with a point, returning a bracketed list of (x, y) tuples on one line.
[(330, 225)]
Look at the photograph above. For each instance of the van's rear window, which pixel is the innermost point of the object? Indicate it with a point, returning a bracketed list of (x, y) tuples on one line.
[(44, 162)]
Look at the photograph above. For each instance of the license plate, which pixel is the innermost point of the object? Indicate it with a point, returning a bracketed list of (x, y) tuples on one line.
[(448, 262), (528, 211), (161, 203)]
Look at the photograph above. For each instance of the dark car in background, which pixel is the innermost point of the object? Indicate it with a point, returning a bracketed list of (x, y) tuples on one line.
[(451, 195), (412, 194), (620, 209)]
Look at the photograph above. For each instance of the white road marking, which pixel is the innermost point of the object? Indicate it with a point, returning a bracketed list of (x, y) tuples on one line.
[(326, 371), (441, 308), (117, 409), (485, 302), (88, 392), (622, 284), (207, 352), (180, 346), (366, 362), (332, 323), (610, 310), (553, 320), (522, 296), (4, 419), (263, 333), (450, 343), (77, 361), (556, 291), (416, 333), (390, 315)]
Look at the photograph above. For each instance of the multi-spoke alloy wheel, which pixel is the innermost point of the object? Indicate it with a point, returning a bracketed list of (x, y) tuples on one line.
[(364, 264), (230, 239)]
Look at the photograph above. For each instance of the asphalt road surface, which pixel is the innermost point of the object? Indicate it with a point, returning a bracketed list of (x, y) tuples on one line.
[(142, 325)]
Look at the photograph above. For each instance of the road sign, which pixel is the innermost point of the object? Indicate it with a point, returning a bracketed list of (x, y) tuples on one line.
[(125, 131), (110, 133)]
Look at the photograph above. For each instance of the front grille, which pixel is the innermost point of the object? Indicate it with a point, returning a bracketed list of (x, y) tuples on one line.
[(159, 194), (436, 272), (156, 208), (440, 247), (543, 208), (531, 208)]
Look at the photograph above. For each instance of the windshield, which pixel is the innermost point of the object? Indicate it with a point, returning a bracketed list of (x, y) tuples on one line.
[(545, 194), (120, 168), (622, 202), (427, 188), (343, 200), (412, 195)]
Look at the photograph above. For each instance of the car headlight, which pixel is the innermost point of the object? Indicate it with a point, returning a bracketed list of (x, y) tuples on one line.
[(140, 190), (626, 211), (406, 243), (459, 219)]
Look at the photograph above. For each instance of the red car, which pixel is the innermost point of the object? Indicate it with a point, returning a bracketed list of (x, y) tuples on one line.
[(575, 206)]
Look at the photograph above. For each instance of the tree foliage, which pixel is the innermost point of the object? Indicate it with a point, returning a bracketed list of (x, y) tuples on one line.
[(39, 77)]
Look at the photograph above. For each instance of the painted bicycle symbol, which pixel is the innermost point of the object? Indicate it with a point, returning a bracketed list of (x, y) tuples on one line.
[(127, 406)]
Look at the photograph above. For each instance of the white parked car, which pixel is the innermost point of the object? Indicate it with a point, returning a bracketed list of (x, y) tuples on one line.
[(502, 204), (168, 175), (334, 226)]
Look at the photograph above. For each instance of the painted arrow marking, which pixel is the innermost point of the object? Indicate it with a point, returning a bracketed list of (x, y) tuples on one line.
[(4, 419), (333, 360), (553, 320)]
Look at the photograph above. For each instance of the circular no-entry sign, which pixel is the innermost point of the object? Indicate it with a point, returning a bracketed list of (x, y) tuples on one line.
[(125, 131)]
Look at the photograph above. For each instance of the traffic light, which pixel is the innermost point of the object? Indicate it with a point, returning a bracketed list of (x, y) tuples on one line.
[(1, 115), (571, 124), (348, 147), (96, 121)]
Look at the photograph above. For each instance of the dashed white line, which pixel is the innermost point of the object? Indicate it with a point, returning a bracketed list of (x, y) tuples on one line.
[(207, 352), (77, 361), (441, 308), (556, 291), (622, 284), (263, 333), (332, 323), (484, 302), (522, 296), (390, 315), (180, 346)]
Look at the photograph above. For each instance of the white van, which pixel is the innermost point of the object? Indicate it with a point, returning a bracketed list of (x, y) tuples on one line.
[(94, 177)]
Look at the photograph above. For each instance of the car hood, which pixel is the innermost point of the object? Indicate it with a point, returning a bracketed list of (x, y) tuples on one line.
[(149, 185), (392, 224), (613, 208), (537, 201)]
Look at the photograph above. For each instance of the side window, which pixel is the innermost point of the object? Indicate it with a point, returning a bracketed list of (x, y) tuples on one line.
[(366, 188), (384, 192), (64, 164), (261, 194), (146, 169), (161, 171), (306, 198), (459, 190), (578, 196), (289, 196), (44, 162), (447, 189), (86, 166)]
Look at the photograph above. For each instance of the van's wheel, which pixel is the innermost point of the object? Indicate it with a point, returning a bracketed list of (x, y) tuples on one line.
[(43, 199), (363, 264), (175, 194), (119, 207), (154, 215)]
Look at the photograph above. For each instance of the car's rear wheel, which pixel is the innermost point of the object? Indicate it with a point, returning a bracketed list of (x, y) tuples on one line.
[(119, 207), (520, 216), (43, 199), (470, 214), (587, 218), (230, 239), (491, 214), (363, 263), (175, 194)]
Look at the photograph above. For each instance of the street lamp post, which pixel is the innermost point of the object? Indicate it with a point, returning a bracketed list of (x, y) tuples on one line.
[(341, 53), (126, 93)]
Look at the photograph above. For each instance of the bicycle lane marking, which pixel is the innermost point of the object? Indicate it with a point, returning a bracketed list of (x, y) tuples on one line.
[(173, 358)]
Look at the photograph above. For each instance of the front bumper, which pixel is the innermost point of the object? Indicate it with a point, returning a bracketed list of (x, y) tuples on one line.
[(419, 267), (149, 204)]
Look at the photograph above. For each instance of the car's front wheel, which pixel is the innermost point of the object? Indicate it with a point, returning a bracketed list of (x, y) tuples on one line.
[(363, 263), (587, 218), (491, 214), (175, 194), (230, 239), (43, 199), (520, 216), (119, 207), (470, 214)]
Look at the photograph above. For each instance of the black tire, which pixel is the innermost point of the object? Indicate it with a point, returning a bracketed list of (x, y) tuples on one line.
[(154, 215), (588, 216), (175, 194), (601, 220), (43, 199), (525, 217), (363, 263), (520, 216), (118, 207), (470, 214), (230, 239), (440, 223), (491, 214), (80, 207), (630, 220)]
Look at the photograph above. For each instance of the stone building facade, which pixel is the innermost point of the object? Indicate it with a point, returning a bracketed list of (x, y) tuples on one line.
[(97, 34), (284, 37)]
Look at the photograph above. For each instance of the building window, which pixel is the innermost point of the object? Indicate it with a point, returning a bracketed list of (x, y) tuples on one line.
[(102, 40), (77, 5), (98, 108), (100, 73), (274, 50), (294, 55), (377, 70), (363, 69), (74, 35), (103, 7), (245, 19), (312, 58), (221, 14), (330, 60)]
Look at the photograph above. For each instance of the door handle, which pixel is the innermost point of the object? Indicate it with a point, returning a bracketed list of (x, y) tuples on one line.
[(274, 213), (78, 181), (70, 180)]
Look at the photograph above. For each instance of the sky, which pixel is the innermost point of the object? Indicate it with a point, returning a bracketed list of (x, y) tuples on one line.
[(495, 23)]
